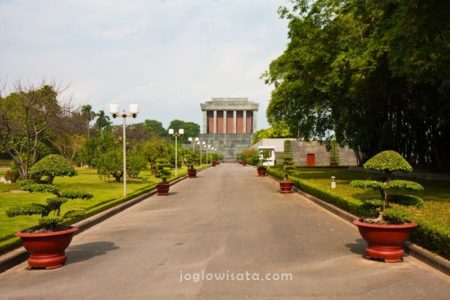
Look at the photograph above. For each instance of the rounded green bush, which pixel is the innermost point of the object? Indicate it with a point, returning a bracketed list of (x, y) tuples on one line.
[(51, 166), (388, 161)]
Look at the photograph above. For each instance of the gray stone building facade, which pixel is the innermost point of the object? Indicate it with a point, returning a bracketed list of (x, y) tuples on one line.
[(229, 124), (304, 153)]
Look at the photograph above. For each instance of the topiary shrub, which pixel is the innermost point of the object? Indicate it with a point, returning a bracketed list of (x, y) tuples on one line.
[(51, 166), (386, 162), (191, 158), (162, 169), (53, 205), (334, 153), (288, 161)]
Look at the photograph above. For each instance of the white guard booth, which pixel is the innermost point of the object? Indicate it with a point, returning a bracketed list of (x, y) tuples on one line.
[(270, 160)]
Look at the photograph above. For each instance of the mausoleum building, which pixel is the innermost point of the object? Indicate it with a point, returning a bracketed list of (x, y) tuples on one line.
[(229, 124)]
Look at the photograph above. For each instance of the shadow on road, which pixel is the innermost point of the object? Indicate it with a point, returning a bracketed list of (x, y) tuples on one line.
[(79, 253), (357, 246)]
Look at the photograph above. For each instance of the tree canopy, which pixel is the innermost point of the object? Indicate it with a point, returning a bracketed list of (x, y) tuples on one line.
[(191, 129), (373, 73)]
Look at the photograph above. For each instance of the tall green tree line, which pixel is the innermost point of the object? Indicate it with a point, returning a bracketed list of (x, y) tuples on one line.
[(374, 73)]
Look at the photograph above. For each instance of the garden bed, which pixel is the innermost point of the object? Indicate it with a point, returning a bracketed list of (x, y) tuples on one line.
[(433, 219)]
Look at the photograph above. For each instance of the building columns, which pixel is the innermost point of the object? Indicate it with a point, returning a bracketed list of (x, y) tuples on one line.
[(254, 121), (205, 122), (224, 122), (215, 122), (234, 121), (244, 122)]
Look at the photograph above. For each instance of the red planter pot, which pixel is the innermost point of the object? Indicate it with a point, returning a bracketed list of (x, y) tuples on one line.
[(213, 163), (385, 242), (163, 189), (192, 173), (47, 250), (262, 171), (286, 186), (244, 163)]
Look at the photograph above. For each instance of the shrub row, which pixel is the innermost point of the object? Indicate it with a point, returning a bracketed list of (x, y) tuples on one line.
[(428, 235)]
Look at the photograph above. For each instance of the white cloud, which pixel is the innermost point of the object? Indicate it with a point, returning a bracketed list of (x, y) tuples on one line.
[(168, 56)]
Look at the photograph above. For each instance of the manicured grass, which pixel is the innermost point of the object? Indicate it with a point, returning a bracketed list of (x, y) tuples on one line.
[(433, 218), (106, 194)]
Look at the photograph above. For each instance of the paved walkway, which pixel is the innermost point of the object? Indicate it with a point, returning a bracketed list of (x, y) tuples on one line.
[(226, 221)]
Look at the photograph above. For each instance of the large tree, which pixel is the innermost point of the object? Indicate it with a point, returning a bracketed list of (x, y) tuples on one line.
[(191, 129), (25, 118), (373, 73), (89, 115)]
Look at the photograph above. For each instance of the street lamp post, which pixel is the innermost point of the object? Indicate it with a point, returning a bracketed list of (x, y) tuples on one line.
[(176, 135), (133, 110), (209, 153), (203, 145)]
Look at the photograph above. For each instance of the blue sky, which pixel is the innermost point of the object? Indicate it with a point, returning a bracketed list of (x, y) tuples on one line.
[(167, 56)]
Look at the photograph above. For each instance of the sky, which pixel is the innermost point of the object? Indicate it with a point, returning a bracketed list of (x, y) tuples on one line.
[(168, 56)]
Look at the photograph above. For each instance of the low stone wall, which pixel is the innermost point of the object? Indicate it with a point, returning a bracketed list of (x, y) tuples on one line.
[(322, 157)]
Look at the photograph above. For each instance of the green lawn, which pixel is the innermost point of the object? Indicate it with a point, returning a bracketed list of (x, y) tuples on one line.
[(433, 218), (436, 193), (106, 194)]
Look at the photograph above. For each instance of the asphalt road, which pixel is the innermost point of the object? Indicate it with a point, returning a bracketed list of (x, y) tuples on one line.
[(228, 223)]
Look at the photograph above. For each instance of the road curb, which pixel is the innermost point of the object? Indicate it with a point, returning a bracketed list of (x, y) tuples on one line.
[(19, 255), (426, 256)]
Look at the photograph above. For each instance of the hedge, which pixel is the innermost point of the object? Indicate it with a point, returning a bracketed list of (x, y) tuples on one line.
[(430, 236)]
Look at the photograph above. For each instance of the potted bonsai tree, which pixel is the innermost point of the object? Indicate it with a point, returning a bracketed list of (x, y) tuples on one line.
[(261, 167), (46, 243), (288, 166), (163, 171), (385, 235), (190, 158)]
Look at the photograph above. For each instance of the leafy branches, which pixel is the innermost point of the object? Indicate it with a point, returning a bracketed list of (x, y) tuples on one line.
[(373, 73)]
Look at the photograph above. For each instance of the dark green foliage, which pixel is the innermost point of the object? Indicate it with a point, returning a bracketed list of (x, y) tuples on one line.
[(50, 223), (76, 195), (376, 73), (54, 204), (407, 200), (191, 129), (288, 161), (162, 169), (51, 166), (41, 188), (404, 185), (334, 153), (367, 184), (28, 210), (388, 161)]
